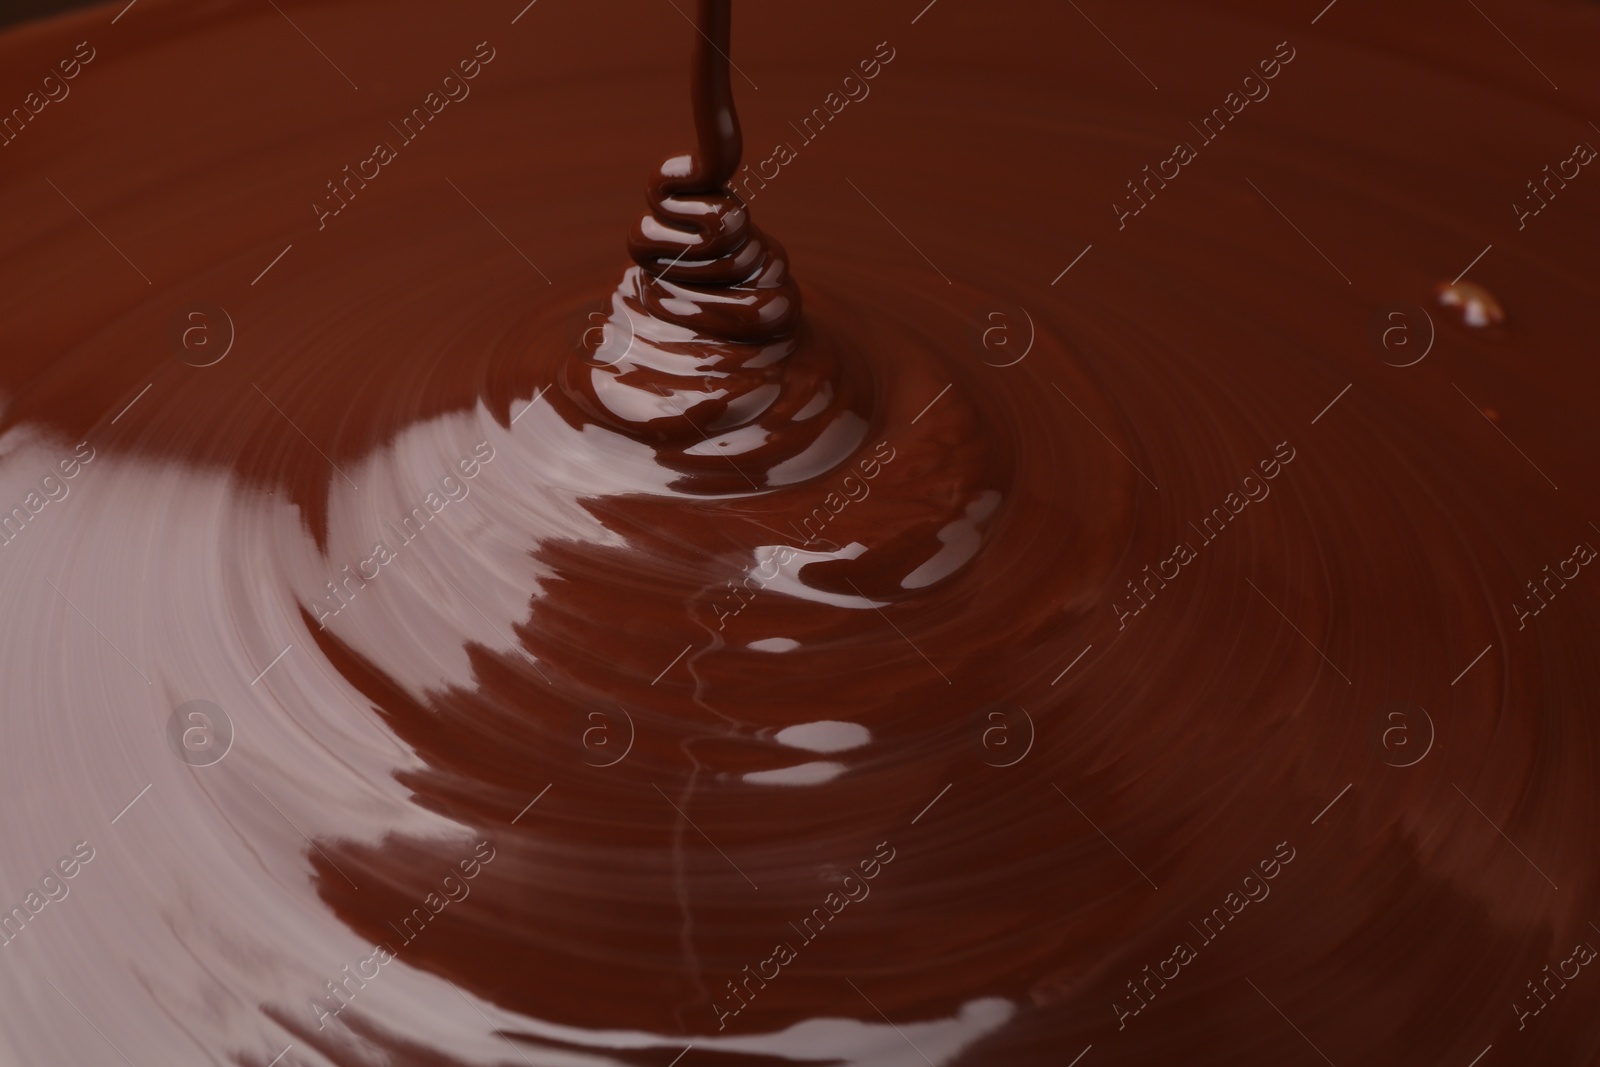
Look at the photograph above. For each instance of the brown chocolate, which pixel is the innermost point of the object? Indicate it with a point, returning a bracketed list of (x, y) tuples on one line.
[(1142, 637)]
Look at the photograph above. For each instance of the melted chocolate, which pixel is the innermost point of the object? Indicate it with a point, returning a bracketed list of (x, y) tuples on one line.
[(701, 352), (582, 686)]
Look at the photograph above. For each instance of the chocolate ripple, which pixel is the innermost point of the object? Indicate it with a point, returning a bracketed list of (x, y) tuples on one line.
[(597, 584), (702, 348)]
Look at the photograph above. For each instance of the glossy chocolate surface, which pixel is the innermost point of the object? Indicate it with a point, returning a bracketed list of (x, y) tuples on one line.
[(1085, 593)]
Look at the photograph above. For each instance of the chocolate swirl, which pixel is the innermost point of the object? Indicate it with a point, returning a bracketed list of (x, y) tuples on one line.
[(706, 266), (703, 354)]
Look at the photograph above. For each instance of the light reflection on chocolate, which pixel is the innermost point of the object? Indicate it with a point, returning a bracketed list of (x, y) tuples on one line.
[(795, 641), (703, 352)]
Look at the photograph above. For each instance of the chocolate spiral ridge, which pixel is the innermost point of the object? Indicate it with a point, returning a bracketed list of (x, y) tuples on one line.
[(704, 264), (704, 354)]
